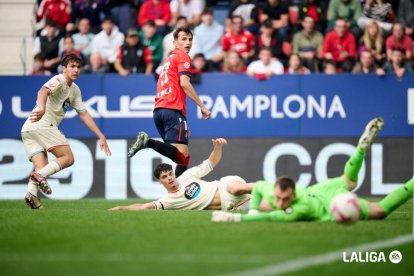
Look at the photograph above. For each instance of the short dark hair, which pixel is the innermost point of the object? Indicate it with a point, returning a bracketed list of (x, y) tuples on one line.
[(163, 167), (108, 18), (199, 55), (71, 58), (267, 23), (185, 29), (150, 23), (398, 49), (207, 11), (237, 16), (285, 182)]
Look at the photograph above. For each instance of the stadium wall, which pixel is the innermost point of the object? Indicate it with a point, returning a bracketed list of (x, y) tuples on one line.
[(304, 126)]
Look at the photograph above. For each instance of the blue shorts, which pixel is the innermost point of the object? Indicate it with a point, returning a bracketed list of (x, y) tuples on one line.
[(172, 126)]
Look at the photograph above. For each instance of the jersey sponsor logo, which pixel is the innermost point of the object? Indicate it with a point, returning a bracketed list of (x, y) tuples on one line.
[(66, 105), (187, 65), (192, 190)]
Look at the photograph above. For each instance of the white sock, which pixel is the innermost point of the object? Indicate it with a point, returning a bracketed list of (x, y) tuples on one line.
[(32, 188), (49, 169)]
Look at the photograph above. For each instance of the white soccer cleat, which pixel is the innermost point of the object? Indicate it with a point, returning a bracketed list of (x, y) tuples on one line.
[(41, 182), (139, 144), (371, 131), (223, 216), (33, 201)]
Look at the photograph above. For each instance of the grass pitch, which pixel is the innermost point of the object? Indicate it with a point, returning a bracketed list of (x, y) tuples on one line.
[(82, 238)]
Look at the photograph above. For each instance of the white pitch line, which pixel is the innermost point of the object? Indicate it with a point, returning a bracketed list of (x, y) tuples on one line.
[(322, 259)]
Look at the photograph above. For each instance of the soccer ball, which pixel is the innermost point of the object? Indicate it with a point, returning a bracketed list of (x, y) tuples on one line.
[(345, 208)]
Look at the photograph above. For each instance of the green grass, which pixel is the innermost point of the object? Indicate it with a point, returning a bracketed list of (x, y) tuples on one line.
[(82, 238)]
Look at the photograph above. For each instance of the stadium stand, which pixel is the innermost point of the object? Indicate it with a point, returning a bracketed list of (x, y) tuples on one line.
[(16, 30)]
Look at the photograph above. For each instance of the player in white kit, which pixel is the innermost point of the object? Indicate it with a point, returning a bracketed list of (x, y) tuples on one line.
[(190, 192), (40, 132)]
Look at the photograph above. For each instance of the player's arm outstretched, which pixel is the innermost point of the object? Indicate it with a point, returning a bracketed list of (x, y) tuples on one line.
[(87, 119), (192, 94), (135, 207), (215, 155)]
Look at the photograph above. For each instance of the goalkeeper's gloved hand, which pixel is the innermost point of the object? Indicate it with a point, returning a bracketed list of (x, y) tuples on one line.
[(222, 216)]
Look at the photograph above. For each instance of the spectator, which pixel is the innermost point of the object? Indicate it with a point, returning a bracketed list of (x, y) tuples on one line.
[(349, 10), (38, 68), (58, 11), (190, 9), (87, 9), (149, 38), (379, 12), (339, 45), (168, 44), (69, 48), (399, 40), (406, 16), (157, 10), (233, 63), (279, 14), (49, 44), (83, 39), (209, 35), (200, 64), (329, 67), (397, 64), (373, 41), (268, 37), (308, 44), (133, 56), (296, 66), (107, 42), (265, 67), (95, 65), (238, 39), (366, 65), (248, 10), (317, 9)]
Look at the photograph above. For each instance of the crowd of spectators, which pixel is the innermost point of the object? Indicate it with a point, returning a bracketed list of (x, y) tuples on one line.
[(258, 37)]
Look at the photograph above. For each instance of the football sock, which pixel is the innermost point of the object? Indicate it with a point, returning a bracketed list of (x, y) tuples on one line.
[(353, 165), (397, 197), (32, 187), (167, 150), (49, 169)]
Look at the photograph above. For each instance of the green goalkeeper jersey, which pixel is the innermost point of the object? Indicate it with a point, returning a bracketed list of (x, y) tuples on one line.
[(312, 203)]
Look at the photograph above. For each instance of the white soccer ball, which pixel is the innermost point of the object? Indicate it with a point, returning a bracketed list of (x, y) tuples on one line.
[(345, 208)]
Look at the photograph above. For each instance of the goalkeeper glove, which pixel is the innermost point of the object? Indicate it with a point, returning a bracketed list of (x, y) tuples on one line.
[(222, 216)]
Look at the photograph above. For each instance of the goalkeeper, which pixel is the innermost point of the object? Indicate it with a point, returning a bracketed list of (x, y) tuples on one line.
[(288, 203)]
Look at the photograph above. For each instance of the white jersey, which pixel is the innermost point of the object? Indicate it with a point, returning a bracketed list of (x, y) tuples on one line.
[(61, 97), (258, 67), (193, 193)]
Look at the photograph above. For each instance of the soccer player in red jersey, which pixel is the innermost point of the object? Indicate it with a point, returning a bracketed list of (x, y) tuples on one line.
[(170, 105)]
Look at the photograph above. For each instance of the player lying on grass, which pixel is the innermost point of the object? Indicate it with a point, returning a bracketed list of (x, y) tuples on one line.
[(40, 132), (289, 203), (190, 192)]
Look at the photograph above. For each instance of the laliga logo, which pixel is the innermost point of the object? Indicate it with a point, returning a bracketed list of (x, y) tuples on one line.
[(395, 257)]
